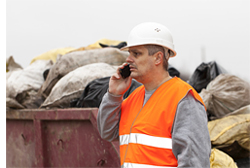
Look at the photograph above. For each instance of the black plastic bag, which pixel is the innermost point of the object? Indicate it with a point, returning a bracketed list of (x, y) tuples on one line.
[(95, 90), (120, 45), (173, 71), (204, 74)]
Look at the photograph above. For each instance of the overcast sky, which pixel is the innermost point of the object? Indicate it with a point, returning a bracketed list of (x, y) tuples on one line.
[(203, 30)]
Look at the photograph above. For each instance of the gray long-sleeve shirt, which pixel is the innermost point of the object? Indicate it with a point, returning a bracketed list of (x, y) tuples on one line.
[(190, 137)]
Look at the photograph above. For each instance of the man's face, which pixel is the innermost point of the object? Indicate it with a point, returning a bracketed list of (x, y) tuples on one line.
[(141, 64)]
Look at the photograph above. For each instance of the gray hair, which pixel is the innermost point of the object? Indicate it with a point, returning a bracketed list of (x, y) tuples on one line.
[(152, 49)]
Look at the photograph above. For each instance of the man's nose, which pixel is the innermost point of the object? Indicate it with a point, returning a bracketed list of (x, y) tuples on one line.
[(129, 59)]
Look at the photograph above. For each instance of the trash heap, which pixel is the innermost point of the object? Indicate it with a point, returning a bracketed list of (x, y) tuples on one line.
[(227, 100), (78, 78)]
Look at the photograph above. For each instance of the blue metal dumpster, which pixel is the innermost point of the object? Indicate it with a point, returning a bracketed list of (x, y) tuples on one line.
[(57, 138)]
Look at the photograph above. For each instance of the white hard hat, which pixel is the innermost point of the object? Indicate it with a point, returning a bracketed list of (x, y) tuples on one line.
[(151, 33)]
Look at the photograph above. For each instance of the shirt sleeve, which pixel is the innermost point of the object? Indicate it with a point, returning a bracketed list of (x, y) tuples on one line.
[(108, 117), (191, 143)]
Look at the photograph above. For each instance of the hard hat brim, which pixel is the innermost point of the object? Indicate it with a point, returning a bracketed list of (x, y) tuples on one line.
[(126, 48)]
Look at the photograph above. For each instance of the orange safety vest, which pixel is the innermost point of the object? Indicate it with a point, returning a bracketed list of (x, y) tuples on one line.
[(145, 132)]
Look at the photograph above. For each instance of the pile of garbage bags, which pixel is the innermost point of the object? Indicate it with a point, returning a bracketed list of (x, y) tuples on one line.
[(51, 81), (78, 78), (227, 100)]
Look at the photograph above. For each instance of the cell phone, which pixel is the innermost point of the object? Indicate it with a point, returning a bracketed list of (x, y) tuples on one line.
[(125, 72)]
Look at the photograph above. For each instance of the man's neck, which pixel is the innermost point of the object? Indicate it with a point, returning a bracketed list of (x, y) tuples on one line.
[(156, 82)]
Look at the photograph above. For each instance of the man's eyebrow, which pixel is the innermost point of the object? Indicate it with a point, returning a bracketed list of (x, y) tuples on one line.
[(133, 50)]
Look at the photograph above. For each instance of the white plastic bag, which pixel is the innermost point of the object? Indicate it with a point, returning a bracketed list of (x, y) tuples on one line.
[(30, 78), (20, 83), (225, 94)]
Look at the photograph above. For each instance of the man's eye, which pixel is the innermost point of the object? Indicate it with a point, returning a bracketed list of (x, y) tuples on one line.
[(135, 54)]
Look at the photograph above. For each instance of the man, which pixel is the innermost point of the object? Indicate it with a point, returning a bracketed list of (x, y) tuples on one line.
[(162, 123)]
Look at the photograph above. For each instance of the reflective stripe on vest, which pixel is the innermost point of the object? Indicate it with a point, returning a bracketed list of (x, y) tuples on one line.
[(143, 139), (135, 165)]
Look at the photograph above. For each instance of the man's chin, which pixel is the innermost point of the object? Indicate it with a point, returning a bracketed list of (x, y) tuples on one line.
[(134, 76)]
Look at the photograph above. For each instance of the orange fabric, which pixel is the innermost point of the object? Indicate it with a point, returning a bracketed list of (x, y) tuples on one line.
[(155, 119)]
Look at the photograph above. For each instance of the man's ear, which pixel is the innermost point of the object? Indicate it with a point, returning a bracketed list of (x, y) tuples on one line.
[(158, 58)]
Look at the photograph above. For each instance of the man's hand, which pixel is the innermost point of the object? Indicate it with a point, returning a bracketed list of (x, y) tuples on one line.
[(118, 85)]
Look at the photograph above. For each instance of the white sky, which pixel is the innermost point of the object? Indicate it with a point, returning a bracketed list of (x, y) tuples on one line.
[(203, 30)]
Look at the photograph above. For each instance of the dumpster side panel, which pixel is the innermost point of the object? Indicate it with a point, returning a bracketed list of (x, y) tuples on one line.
[(75, 144), (20, 143), (57, 138)]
